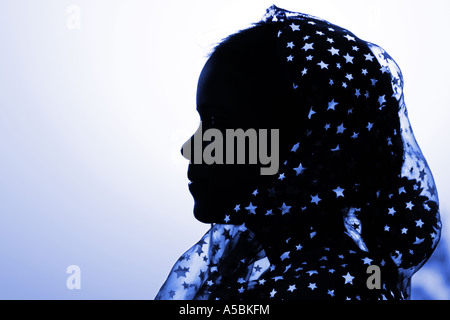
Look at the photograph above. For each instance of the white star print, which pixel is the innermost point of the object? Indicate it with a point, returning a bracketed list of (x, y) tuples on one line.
[(348, 58), (285, 256), (391, 211), (290, 45), (295, 27), (349, 37), (348, 278), (311, 112), (299, 169), (272, 293), (308, 46), (332, 104), (312, 286), (292, 288), (315, 199), (369, 57), (409, 205), (284, 208), (323, 65), (341, 128), (419, 223), (251, 208), (339, 192), (334, 51)]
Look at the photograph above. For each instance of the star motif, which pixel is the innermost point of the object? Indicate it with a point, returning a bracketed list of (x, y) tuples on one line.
[(281, 177), (298, 247), (299, 169), (285, 255), (386, 228), (311, 112), (391, 211), (290, 58), (290, 45), (269, 212), (367, 260), (339, 192), (227, 218), (295, 27), (315, 199), (382, 100), (419, 223), (369, 126), (332, 104), (331, 293), (237, 207), (308, 46), (272, 293), (323, 65), (336, 149), (349, 76), (181, 272), (364, 72), (341, 128), (409, 205), (348, 278), (312, 286), (334, 51), (309, 58), (304, 71), (348, 58), (284, 208), (349, 37), (404, 230), (369, 57), (295, 147), (292, 288), (251, 208)]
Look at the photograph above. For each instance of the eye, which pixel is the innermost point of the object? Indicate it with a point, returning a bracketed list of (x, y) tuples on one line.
[(208, 121)]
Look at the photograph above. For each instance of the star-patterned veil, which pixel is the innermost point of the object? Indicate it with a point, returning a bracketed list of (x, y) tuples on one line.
[(355, 190)]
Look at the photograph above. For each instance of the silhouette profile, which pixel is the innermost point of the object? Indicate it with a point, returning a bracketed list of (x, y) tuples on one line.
[(353, 189)]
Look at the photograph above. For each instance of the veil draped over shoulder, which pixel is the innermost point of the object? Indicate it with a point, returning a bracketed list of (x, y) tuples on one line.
[(355, 190)]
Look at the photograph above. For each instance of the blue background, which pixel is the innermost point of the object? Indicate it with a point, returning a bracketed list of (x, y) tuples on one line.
[(96, 100)]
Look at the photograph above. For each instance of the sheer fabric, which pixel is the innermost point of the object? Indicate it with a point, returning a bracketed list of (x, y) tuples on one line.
[(354, 191)]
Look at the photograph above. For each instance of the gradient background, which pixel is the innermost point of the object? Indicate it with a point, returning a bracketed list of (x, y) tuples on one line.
[(93, 116)]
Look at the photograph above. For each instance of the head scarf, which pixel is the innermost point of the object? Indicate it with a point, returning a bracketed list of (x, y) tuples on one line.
[(355, 190)]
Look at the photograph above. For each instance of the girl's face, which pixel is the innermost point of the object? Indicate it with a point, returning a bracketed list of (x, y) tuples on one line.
[(229, 98)]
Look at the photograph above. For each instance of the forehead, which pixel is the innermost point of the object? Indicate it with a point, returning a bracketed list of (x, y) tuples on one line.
[(220, 86)]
